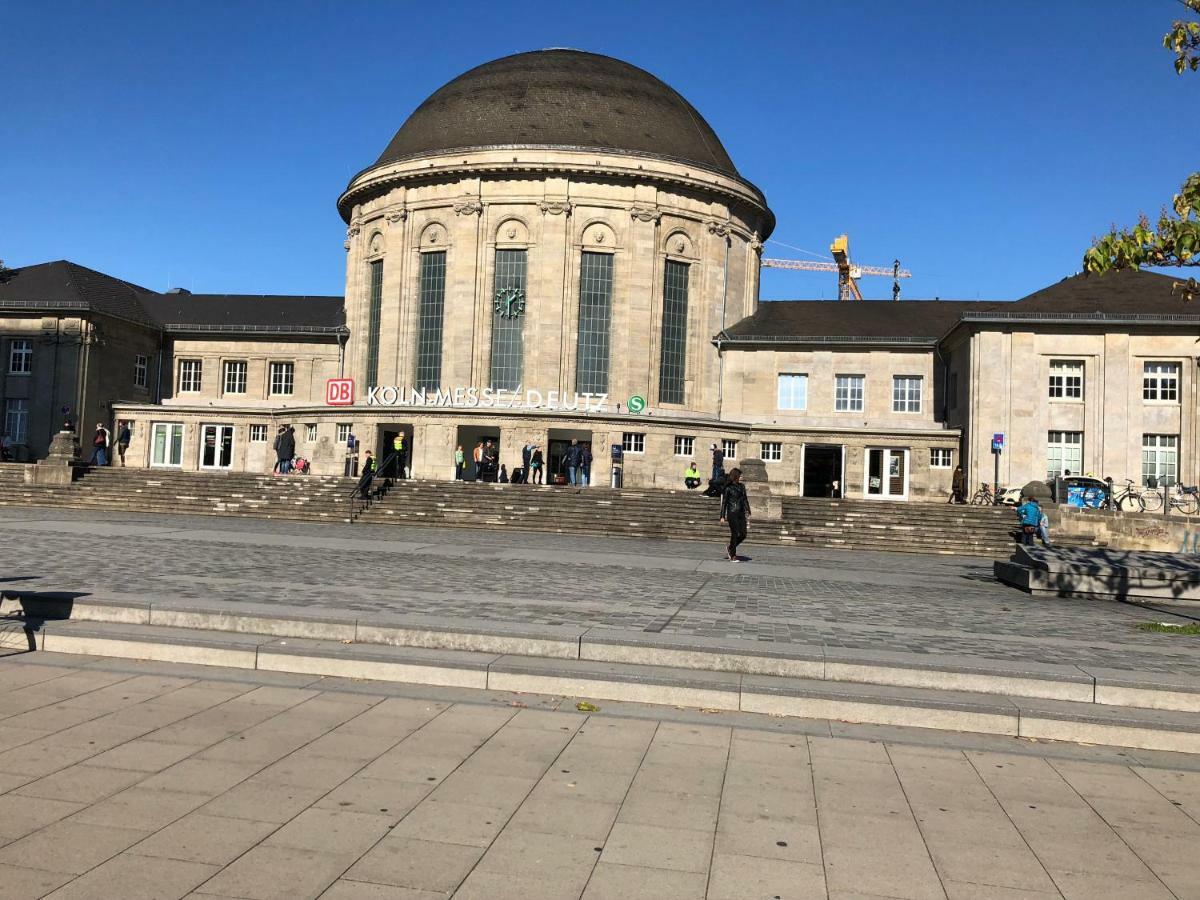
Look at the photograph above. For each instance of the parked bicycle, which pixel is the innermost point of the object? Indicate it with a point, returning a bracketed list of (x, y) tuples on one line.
[(1130, 497), (985, 497)]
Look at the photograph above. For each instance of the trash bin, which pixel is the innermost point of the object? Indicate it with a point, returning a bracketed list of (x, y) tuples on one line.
[(616, 477)]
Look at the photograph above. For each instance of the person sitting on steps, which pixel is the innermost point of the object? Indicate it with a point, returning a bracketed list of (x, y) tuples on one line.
[(691, 478)]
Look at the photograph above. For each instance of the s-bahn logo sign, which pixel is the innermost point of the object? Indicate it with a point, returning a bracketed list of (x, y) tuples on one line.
[(509, 302)]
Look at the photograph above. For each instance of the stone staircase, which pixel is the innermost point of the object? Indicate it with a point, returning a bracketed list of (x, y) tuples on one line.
[(656, 514)]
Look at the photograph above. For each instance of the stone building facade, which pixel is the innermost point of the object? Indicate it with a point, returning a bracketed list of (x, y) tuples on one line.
[(555, 246)]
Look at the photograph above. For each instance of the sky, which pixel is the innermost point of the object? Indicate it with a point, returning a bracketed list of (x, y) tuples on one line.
[(204, 145)]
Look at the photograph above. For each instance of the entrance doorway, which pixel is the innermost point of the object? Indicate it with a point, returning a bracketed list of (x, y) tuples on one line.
[(470, 436), (393, 465), (216, 446), (887, 473), (823, 470), (558, 440)]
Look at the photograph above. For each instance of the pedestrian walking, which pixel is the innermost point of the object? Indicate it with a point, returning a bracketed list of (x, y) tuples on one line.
[(691, 477), (536, 464), (459, 462), (526, 457), (735, 512), (100, 446), (718, 462), (285, 449), (398, 451), (123, 438), (571, 461), (367, 476), (275, 446), (585, 464), (1029, 515), (958, 486)]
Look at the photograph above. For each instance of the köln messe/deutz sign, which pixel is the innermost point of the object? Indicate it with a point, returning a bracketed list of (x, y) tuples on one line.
[(340, 392)]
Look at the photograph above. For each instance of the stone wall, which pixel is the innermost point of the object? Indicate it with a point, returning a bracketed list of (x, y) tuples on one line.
[(1128, 531)]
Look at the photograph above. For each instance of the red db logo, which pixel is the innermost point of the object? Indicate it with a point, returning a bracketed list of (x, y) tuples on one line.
[(339, 392)]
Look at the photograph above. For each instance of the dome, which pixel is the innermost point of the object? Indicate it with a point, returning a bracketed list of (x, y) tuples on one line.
[(562, 99)]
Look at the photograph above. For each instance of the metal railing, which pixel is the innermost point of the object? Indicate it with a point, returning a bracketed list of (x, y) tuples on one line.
[(385, 474)]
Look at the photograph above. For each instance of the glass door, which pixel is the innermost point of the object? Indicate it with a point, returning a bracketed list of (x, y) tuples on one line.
[(166, 444), (216, 446), (887, 473)]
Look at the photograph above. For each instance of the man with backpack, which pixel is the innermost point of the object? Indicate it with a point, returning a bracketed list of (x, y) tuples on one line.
[(1029, 517)]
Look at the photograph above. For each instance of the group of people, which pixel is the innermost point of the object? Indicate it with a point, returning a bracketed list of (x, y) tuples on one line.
[(102, 444), (576, 464), (1033, 520), (286, 460)]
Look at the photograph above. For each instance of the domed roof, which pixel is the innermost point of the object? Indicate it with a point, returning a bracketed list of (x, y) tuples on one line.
[(560, 98)]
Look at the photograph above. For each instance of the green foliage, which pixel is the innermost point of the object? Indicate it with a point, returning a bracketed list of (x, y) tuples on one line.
[(1191, 628), (1184, 40)]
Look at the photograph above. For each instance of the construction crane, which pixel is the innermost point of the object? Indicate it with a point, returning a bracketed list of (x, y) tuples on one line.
[(848, 273)]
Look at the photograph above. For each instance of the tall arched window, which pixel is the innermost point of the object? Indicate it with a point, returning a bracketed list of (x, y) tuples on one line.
[(508, 319), (374, 313), (595, 321), (673, 355), (431, 304)]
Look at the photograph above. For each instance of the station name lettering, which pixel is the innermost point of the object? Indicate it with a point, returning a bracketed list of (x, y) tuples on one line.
[(486, 398)]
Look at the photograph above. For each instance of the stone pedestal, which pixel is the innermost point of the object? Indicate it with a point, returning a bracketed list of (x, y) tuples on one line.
[(764, 502), (59, 465)]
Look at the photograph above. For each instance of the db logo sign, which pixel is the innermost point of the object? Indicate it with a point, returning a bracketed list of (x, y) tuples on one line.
[(339, 392)]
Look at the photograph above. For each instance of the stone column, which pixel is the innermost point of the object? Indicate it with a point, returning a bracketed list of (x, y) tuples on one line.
[(764, 502)]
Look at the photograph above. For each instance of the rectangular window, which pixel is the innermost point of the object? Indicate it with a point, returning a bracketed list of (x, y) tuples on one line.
[(166, 444), (772, 451), (848, 393), (595, 319), (1160, 458), (684, 445), (283, 378), (793, 392), (1066, 379), (310, 433), (20, 357), (190, 371), (633, 442), (258, 434), (374, 314), (1064, 453), (16, 420), (508, 319), (729, 448), (941, 458), (673, 353), (906, 393), (235, 377), (344, 430), (139, 371), (431, 304), (1160, 382)]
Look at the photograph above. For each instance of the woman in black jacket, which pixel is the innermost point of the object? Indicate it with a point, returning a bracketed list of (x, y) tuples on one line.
[(735, 511)]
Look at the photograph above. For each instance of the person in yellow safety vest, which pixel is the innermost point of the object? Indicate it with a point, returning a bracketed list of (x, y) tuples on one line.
[(691, 478), (398, 449)]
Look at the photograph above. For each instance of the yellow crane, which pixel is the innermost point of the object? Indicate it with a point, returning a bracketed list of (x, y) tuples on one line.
[(848, 273)]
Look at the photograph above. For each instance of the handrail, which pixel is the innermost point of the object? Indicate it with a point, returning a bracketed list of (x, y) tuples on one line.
[(387, 465)]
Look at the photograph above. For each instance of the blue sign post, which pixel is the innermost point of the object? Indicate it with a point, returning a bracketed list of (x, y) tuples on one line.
[(997, 449)]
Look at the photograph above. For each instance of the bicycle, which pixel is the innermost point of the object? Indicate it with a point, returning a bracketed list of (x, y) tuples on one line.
[(1186, 500), (983, 496), (1119, 498)]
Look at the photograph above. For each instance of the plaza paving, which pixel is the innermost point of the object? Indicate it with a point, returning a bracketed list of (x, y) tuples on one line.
[(152, 780), (925, 606)]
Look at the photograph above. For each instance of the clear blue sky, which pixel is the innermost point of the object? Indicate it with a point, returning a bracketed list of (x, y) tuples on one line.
[(982, 144)]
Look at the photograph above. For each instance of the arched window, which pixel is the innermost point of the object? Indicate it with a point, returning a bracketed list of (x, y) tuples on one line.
[(430, 309), (508, 319), (673, 355), (374, 313), (595, 322)]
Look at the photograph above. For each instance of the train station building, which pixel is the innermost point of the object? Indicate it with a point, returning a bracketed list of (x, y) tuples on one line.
[(556, 246)]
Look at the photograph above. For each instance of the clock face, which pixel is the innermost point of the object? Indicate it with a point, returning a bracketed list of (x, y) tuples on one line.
[(510, 302)]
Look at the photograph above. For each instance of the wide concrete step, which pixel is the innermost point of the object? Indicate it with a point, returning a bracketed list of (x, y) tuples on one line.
[(616, 645), (1017, 716)]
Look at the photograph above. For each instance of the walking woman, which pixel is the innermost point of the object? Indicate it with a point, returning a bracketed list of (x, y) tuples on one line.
[(735, 511), (536, 461)]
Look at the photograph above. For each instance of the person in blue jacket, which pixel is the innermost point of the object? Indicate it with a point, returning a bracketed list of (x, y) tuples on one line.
[(1029, 515)]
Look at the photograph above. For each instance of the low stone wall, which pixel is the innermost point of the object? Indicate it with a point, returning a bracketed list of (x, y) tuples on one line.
[(1175, 533)]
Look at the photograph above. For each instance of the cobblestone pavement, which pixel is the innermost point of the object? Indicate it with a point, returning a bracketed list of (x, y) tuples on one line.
[(121, 779), (876, 601)]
